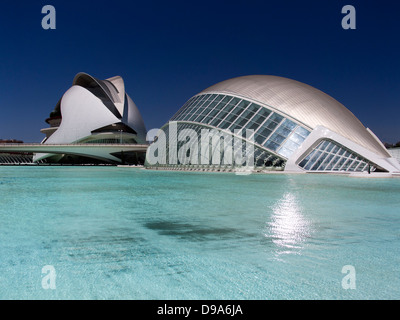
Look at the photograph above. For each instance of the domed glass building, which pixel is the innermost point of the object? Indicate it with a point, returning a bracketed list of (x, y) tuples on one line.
[(276, 124)]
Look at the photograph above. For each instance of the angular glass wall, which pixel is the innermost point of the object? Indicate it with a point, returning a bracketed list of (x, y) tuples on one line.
[(272, 131), (224, 157), (331, 156)]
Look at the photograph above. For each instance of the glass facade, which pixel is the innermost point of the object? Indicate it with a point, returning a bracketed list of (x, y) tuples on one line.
[(233, 147), (16, 158), (275, 137), (331, 156)]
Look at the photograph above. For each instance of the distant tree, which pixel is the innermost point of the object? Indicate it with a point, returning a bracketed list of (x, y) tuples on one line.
[(10, 141), (388, 145), (397, 145)]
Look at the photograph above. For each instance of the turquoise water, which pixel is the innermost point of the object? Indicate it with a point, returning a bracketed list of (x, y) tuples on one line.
[(123, 233)]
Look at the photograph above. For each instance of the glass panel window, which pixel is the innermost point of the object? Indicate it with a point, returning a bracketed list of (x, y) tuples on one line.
[(322, 146), (260, 137), (219, 98), (326, 162), (221, 115), (239, 124), (340, 163), (335, 158), (225, 124), (258, 119), (329, 147), (335, 149), (341, 151), (264, 113), (347, 164), (285, 152), (319, 161), (289, 125), (186, 114), (302, 132), (203, 99), (333, 163), (283, 131), (312, 160), (361, 167), (270, 124), (212, 114), (354, 165), (253, 125), (243, 104), (234, 114), (276, 117), (222, 105), (199, 109), (244, 118), (205, 111), (289, 144), (226, 99), (234, 101), (271, 145), (277, 138), (296, 138), (265, 130), (306, 159)]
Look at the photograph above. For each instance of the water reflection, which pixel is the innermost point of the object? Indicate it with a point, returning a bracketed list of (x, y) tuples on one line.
[(288, 228)]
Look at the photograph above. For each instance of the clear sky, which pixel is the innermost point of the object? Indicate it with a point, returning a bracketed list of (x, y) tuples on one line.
[(168, 51)]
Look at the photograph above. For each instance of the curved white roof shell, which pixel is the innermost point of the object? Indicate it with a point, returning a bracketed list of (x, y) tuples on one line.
[(113, 87), (84, 111), (302, 103), (90, 106)]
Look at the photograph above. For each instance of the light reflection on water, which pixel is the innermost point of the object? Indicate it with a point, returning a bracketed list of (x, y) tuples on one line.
[(117, 233), (288, 228)]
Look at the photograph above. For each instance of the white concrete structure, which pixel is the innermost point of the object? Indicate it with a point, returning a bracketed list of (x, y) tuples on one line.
[(94, 111), (395, 153), (105, 153), (297, 128)]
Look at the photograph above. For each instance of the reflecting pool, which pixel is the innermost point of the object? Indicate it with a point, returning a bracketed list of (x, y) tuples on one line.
[(129, 233)]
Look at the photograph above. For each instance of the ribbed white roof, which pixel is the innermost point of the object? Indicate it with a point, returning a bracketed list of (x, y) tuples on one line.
[(302, 102)]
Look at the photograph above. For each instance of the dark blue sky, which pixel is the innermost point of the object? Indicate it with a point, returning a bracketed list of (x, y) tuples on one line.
[(167, 51)]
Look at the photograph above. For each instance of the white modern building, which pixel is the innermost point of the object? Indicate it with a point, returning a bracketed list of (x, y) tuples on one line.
[(95, 111), (395, 153), (295, 128)]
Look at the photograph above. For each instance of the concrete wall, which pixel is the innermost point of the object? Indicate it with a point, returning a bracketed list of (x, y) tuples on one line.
[(395, 153)]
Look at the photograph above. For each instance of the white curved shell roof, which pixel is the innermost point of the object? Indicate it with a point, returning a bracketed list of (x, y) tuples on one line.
[(302, 102), (114, 88), (78, 107)]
